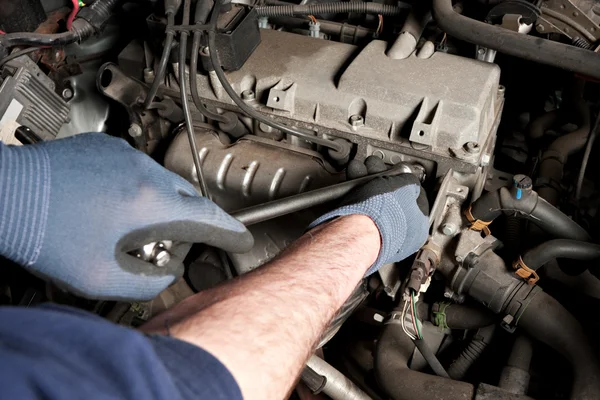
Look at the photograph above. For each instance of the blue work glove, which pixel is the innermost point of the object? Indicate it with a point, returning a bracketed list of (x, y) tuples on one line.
[(398, 206), (72, 210)]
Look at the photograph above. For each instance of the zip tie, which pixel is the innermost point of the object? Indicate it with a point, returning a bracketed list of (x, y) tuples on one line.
[(477, 224), (524, 272)]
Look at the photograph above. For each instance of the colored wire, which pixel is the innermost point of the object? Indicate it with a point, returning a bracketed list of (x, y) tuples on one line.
[(414, 317), (312, 18), (403, 318), (380, 25), (73, 13)]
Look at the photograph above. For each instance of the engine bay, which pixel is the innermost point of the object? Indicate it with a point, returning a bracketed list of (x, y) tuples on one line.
[(275, 110)]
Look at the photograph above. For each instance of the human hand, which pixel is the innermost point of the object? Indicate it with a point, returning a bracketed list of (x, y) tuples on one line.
[(72, 210), (397, 205)]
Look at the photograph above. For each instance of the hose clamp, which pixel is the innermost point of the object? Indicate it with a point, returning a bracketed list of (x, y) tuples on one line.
[(524, 272), (477, 224)]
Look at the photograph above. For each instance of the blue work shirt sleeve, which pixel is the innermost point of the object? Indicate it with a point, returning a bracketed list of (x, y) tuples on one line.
[(56, 352)]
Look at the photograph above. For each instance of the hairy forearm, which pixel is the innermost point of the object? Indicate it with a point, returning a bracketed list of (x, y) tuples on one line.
[(264, 325)]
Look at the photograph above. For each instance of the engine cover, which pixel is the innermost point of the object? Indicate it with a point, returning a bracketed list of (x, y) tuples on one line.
[(401, 110)]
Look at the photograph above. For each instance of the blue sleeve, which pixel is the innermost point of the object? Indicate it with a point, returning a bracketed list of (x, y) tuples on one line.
[(54, 352)]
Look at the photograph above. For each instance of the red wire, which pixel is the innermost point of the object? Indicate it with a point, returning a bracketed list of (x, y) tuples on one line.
[(73, 13)]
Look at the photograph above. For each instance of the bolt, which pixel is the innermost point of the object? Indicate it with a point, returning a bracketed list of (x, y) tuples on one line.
[(449, 229), (540, 27), (575, 14), (448, 293), (501, 89), (356, 120), (135, 130), (248, 95), (67, 94), (459, 259), (472, 147), (162, 258), (481, 51)]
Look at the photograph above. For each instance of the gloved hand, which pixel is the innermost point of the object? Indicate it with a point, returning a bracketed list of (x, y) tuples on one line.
[(71, 210), (398, 206)]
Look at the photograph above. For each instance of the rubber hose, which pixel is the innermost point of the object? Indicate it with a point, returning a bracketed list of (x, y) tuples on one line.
[(471, 353), (431, 359), (549, 218), (546, 320), (90, 20), (456, 316), (531, 48), (560, 248), (294, 10), (394, 349), (80, 30)]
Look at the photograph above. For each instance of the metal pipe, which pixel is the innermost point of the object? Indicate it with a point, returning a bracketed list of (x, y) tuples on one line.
[(337, 386), (277, 208)]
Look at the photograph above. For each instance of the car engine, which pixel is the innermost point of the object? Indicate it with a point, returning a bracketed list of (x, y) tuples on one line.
[(277, 109)]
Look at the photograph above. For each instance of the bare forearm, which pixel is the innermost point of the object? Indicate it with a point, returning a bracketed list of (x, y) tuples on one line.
[(264, 325)]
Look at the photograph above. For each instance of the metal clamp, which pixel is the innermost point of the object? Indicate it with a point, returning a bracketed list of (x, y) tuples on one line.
[(524, 272), (477, 224)]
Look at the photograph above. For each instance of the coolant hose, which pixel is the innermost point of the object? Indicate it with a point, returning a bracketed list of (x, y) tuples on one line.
[(293, 10), (456, 316), (90, 20), (560, 248), (531, 48), (527, 204), (546, 320), (394, 350)]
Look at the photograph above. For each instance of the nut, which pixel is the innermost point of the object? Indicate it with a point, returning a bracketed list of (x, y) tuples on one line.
[(356, 120), (135, 130), (162, 258)]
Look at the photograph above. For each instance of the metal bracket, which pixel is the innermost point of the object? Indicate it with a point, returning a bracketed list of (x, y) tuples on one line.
[(562, 16)]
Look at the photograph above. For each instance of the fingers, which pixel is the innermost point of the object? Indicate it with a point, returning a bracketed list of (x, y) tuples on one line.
[(191, 219)]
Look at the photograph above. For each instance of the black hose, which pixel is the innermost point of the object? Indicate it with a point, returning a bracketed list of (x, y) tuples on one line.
[(214, 58), (293, 10), (548, 321), (90, 20), (471, 353), (532, 48), (394, 349), (560, 248), (184, 101), (431, 359), (456, 316), (164, 61), (531, 206), (44, 39)]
